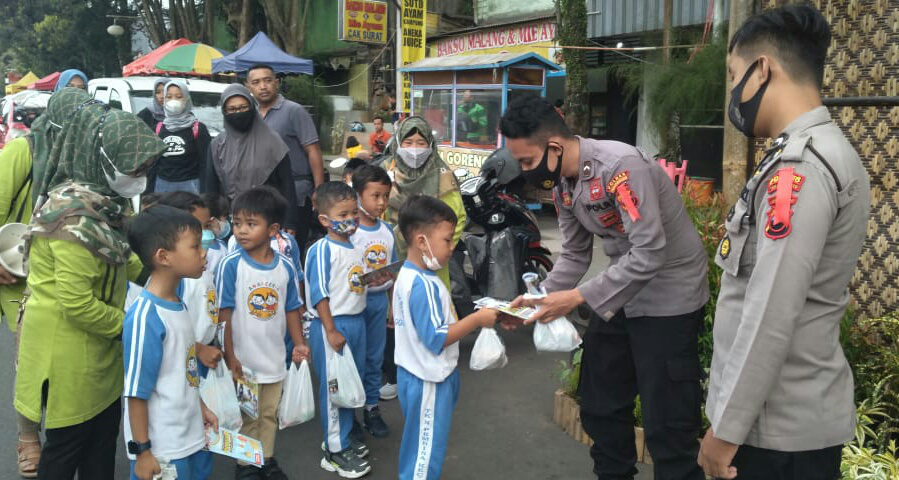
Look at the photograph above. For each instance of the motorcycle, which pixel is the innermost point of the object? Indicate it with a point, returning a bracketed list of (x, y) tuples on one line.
[(502, 240)]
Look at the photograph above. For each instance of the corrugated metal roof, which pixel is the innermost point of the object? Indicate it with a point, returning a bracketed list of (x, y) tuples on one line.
[(471, 62), (607, 18)]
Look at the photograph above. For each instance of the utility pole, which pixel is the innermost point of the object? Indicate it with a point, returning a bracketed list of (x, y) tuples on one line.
[(736, 145)]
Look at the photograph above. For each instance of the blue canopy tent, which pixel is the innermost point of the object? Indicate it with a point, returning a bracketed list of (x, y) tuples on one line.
[(260, 49)]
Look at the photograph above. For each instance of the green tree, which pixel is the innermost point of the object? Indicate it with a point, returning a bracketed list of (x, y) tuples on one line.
[(572, 21)]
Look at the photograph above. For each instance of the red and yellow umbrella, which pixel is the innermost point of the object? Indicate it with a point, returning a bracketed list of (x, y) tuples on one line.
[(195, 59)]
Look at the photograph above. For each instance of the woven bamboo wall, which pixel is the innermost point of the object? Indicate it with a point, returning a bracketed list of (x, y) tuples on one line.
[(863, 61)]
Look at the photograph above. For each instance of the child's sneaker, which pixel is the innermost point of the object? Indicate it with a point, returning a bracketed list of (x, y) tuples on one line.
[(374, 423), (346, 463), (271, 470), (388, 391), (359, 448)]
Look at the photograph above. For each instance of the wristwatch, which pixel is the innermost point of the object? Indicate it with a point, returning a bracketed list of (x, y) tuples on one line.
[(135, 448)]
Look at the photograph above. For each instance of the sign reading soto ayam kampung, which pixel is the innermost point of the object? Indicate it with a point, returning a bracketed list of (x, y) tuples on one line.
[(499, 38), (412, 47), (362, 21)]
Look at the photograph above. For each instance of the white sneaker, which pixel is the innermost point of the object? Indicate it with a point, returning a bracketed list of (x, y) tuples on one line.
[(388, 391)]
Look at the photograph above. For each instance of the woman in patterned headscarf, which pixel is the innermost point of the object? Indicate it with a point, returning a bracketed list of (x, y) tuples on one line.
[(21, 166), (70, 353)]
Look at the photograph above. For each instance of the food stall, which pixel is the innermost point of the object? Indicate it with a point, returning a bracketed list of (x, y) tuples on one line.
[(463, 97)]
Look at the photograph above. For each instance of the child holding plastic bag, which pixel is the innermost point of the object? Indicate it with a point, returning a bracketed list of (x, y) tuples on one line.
[(164, 417), (336, 296), (298, 400), (259, 303), (427, 336)]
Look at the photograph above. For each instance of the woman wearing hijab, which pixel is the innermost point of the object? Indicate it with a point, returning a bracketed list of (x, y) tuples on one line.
[(416, 168), (154, 113), (187, 144), (249, 154), (70, 350), (71, 78), (21, 163)]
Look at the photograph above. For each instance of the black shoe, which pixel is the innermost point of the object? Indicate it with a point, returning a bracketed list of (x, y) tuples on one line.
[(356, 433), (247, 472), (374, 423), (271, 470), (346, 463)]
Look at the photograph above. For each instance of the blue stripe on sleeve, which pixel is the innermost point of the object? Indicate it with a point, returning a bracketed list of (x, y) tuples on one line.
[(225, 280), (426, 311), (143, 332), (294, 302), (318, 272)]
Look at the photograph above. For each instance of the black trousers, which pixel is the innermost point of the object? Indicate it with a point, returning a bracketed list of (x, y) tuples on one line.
[(760, 464), (658, 358), (304, 224), (88, 448), (388, 368)]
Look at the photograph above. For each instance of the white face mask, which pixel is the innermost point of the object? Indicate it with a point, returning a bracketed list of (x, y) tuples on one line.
[(430, 261), (175, 107), (414, 157), (124, 185)]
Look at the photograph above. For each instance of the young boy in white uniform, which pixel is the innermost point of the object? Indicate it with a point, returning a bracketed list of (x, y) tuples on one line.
[(427, 336), (336, 297), (375, 239), (164, 416), (259, 303)]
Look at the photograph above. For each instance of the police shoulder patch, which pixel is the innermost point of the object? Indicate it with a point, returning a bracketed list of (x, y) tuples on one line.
[(783, 191), (617, 181), (724, 248)]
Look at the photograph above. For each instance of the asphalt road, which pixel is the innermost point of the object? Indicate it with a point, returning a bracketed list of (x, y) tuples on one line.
[(502, 426)]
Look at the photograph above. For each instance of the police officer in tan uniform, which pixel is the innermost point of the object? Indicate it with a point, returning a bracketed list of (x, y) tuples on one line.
[(647, 306), (781, 392)]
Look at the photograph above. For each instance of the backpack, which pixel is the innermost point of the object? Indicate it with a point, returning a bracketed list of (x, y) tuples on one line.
[(195, 128)]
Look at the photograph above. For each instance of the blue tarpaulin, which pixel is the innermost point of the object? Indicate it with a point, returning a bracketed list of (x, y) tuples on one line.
[(261, 50)]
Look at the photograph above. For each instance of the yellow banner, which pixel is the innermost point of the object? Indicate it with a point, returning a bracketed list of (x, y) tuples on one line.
[(470, 160), (413, 29), (363, 21)]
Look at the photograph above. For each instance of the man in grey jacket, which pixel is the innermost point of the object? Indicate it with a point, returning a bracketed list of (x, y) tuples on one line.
[(647, 306), (781, 392)]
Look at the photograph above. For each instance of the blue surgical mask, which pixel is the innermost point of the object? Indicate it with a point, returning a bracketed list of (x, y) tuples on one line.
[(343, 227), (224, 229), (207, 239)]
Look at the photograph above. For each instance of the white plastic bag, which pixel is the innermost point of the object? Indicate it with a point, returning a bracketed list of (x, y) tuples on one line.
[(488, 352), (297, 397), (558, 335), (218, 393), (344, 384)]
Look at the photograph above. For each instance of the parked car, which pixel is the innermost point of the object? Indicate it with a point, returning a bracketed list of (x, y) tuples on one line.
[(18, 110), (133, 94)]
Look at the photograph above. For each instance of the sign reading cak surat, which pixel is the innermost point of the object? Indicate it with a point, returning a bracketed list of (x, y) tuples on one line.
[(530, 37), (362, 21)]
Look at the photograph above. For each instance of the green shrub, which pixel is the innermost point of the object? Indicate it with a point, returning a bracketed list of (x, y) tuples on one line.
[(861, 458), (569, 373), (300, 89)]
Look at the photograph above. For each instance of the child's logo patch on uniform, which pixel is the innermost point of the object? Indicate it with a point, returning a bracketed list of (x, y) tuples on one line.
[(617, 181), (211, 309), (566, 199), (355, 279), (375, 256), (724, 249), (781, 198), (193, 373), (595, 190), (263, 303)]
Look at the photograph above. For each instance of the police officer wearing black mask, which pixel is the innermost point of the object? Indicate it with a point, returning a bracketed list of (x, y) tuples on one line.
[(647, 306)]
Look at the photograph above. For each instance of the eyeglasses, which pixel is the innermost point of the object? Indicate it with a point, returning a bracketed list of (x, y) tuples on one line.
[(240, 109)]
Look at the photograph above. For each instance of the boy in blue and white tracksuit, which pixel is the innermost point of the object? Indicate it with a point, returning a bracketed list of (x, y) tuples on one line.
[(427, 336), (336, 297), (163, 414), (376, 241)]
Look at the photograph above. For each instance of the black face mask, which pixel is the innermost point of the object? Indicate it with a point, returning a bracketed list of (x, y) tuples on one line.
[(241, 121), (540, 176), (742, 115)]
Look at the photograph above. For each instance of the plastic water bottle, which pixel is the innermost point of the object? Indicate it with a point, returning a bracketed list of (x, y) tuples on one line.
[(532, 284)]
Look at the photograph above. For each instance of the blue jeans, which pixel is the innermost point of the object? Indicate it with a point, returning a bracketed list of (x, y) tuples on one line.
[(192, 186)]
